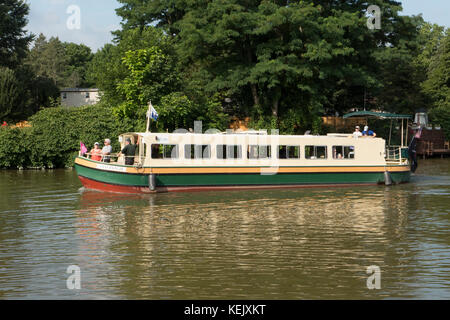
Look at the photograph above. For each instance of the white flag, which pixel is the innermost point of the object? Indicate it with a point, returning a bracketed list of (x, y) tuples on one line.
[(152, 114)]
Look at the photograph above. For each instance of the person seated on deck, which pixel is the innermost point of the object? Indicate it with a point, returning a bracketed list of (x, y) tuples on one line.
[(357, 132), (129, 152), (368, 133), (96, 153), (106, 151)]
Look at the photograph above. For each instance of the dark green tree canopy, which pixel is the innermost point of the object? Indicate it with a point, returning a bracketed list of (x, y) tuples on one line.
[(14, 39), (11, 93), (143, 13), (290, 60), (64, 63)]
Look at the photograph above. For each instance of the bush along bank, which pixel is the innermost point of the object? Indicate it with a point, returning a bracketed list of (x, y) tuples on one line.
[(53, 140)]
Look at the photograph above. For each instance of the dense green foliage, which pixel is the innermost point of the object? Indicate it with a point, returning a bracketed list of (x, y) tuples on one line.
[(20, 92), (438, 82), (150, 77), (107, 68), (38, 72), (441, 116), (144, 66), (65, 64), (14, 39), (10, 92), (284, 63), (13, 148), (55, 135)]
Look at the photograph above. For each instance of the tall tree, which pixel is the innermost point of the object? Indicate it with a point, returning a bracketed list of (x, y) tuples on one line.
[(14, 39), (288, 61), (107, 69), (144, 13), (151, 76), (437, 85), (64, 63), (286, 54), (400, 91), (49, 60), (10, 94), (79, 56)]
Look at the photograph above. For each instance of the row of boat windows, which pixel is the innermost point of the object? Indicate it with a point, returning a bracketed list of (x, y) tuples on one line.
[(191, 151)]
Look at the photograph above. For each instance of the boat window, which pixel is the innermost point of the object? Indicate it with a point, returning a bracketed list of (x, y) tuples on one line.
[(259, 152), (288, 152), (164, 151), (343, 152), (196, 151), (315, 152), (225, 151)]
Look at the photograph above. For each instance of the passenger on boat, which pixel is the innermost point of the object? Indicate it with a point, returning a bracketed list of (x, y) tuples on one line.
[(106, 151), (129, 152), (368, 132), (357, 132), (96, 153)]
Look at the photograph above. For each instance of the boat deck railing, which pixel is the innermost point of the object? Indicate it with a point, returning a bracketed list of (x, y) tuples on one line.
[(114, 158), (396, 155)]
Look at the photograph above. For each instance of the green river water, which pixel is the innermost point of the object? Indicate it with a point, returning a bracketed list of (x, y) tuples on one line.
[(267, 244)]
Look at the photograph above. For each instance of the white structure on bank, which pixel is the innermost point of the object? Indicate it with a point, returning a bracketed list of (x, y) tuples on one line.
[(77, 97)]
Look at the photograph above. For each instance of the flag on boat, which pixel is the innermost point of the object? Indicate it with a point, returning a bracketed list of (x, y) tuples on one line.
[(83, 148), (151, 113), (418, 133)]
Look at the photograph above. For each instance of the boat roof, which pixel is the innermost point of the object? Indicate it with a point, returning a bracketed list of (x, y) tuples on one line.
[(329, 135), (381, 115)]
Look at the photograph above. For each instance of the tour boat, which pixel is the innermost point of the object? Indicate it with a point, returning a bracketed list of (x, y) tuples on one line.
[(188, 161)]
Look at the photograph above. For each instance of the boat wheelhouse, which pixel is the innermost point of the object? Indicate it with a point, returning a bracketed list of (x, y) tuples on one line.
[(225, 161)]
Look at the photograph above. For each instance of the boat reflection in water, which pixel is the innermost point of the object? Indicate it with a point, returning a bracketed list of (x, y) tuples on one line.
[(289, 244)]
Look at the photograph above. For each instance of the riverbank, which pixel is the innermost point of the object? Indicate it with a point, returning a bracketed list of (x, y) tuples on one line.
[(53, 139)]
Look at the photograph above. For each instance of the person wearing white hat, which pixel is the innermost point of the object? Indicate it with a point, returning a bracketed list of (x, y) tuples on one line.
[(368, 132), (357, 132)]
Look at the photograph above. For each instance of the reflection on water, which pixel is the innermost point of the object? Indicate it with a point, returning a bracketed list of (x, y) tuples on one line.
[(281, 244)]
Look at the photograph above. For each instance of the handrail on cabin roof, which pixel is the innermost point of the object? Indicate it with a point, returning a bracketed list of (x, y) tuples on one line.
[(381, 115)]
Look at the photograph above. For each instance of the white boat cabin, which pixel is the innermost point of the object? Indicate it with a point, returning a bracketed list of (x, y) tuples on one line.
[(255, 150)]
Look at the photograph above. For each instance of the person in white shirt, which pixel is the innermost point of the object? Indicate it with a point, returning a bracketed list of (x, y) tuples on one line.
[(357, 132), (106, 151)]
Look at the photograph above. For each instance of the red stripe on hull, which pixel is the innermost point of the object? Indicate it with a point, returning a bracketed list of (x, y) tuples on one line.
[(96, 185)]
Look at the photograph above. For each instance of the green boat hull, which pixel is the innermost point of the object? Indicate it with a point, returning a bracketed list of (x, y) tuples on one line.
[(141, 181)]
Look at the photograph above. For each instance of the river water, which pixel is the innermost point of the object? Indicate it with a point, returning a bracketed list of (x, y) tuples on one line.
[(280, 244)]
